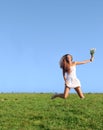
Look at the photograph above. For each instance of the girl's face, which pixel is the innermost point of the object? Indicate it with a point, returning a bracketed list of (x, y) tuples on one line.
[(69, 58)]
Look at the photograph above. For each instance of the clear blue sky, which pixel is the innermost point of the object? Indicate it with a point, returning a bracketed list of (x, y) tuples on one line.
[(34, 34)]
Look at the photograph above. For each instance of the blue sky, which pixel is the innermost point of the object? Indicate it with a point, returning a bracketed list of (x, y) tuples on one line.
[(34, 34)]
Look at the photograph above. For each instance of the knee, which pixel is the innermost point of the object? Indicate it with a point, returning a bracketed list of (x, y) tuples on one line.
[(82, 97), (65, 96)]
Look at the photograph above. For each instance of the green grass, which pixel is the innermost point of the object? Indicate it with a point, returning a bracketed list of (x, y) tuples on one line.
[(39, 112)]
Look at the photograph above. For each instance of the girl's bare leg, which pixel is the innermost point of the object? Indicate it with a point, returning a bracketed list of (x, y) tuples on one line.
[(62, 95), (79, 91)]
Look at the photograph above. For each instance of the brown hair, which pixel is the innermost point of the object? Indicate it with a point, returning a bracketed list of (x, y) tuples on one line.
[(64, 63)]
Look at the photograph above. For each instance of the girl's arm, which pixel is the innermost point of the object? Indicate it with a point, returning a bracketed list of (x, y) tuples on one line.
[(85, 61), (64, 76), (65, 80)]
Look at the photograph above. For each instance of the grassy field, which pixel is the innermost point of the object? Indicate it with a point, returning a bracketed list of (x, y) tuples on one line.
[(39, 112)]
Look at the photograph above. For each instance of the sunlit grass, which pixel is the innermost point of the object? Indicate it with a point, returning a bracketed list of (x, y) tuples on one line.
[(38, 111)]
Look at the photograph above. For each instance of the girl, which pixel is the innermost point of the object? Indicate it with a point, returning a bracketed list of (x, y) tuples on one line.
[(68, 67)]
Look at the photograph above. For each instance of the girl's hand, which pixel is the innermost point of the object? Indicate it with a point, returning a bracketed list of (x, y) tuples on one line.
[(66, 82), (92, 58), (92, 51)]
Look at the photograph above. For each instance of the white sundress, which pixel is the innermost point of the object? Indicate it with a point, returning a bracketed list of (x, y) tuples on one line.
[(72, 80)]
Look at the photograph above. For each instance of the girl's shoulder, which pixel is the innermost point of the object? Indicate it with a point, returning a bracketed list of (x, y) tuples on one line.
[(74, 63)]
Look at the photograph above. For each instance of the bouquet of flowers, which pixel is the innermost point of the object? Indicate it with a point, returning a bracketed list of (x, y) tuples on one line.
[(92, 51)]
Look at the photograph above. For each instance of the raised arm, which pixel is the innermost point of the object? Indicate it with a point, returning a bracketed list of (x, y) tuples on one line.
[(85, 61)]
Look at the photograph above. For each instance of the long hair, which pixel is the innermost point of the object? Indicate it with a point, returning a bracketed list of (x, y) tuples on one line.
[(64, 63)]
